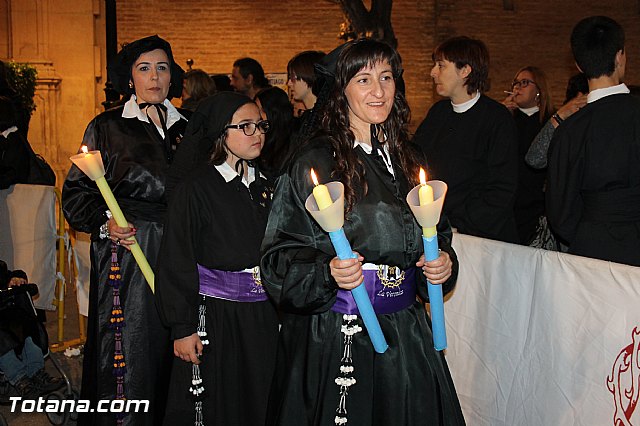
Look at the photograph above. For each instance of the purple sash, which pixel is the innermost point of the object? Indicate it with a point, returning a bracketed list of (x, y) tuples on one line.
[(237, 286), (390, 290)]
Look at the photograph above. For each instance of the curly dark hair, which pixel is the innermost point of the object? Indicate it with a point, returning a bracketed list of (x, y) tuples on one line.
[(350, 170)]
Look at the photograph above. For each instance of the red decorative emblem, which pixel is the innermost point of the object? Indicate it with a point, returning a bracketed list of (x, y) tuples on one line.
[(624, 382)]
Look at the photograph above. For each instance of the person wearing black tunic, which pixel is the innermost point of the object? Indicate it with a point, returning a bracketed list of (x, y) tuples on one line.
[(208, 277), (325, 374), (531, 105), (471, 143), (136, 142), (593, 193)]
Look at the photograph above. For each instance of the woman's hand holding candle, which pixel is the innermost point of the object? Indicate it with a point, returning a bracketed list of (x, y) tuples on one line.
[(348, 272), (91, 164), (346, 267), (435, 265), (120, 234), (437, 271)]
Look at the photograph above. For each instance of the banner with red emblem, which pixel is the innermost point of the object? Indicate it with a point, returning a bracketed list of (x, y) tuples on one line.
[(543, 338)]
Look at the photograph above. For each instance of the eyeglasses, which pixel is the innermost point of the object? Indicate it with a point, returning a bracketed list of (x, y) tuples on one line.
[(517, 84), (249, 128), (293, 78)]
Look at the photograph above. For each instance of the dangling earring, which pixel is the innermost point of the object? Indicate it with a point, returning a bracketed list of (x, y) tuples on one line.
[(130, 85)]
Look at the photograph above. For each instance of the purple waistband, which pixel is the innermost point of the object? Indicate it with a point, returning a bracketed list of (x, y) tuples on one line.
[(390, 290), (240, 286)]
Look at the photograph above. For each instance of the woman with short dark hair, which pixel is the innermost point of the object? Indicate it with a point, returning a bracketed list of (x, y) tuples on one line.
[(137, 143), (471, 143)]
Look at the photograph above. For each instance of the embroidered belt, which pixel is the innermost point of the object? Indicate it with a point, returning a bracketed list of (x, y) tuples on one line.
[(237, 286), (389, 288)]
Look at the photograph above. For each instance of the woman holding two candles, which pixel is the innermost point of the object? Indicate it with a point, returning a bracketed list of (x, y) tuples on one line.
[(327, 371), (128, 354), (224, 328)]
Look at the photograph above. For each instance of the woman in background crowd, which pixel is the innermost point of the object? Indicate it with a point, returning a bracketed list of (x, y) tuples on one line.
[(197, 86), (274, 102), (531, 105)]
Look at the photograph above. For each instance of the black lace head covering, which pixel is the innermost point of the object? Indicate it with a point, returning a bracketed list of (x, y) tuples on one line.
[(203, 132), (120, 69)]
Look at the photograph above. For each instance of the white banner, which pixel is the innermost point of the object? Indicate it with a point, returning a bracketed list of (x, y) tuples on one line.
[(28, 236), (543, 338)]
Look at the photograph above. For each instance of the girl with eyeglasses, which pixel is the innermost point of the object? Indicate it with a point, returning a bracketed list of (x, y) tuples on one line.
[(209, 289)]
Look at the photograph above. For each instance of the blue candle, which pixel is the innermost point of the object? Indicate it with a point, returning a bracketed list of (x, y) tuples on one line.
[(329, 212), (436, 301), (343, 250)]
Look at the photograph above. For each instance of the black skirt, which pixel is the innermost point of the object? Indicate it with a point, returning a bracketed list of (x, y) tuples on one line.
[(237, 366)]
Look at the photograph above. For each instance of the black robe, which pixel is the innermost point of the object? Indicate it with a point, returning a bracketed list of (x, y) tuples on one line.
[(410, 383), (529, 205), (218, 225), (475, 153), (593, 182), (14, 160), (136, 160)]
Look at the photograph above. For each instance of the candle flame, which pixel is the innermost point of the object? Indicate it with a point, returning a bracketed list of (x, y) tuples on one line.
[(423, 177), (84, 149), (314, 178)]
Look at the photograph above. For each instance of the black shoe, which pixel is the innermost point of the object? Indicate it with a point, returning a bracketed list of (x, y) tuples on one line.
[(45, 383), (27, 389)]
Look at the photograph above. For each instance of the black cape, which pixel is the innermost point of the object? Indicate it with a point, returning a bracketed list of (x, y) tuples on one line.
[(219, 225), (409, 384), (136, 160), (593, 192), (475, 153)]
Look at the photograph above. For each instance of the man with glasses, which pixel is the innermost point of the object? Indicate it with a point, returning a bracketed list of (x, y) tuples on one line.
[(470, 142), (593, 189)]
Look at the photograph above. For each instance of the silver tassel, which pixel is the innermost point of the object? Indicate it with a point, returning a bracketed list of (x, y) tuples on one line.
[(202, 332), (197, 388), (345, 378), (199, 417)]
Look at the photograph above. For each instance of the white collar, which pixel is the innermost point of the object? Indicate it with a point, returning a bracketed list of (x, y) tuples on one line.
[(132, 110), (597, 94), (466, 106), (229, 174), (368, 148), (9, 131), (530, 111)]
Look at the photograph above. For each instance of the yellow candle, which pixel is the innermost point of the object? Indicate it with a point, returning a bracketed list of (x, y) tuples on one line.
[(320, 193), (118, 216), (91, 164), (425, 194)]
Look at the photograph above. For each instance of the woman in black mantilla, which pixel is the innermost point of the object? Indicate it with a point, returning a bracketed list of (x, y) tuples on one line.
[(137, 141), (363, 144), (209, 291)]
